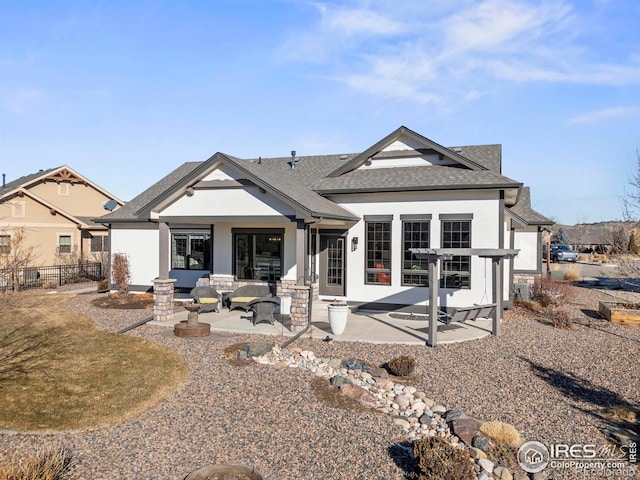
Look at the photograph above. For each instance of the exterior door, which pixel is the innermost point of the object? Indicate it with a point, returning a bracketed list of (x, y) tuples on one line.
[(332, 265)]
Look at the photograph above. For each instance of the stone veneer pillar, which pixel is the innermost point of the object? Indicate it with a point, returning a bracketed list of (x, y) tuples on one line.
[(299, 306), (163, 299)]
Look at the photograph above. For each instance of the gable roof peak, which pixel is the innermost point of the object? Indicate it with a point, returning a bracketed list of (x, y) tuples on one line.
[(401, 131)]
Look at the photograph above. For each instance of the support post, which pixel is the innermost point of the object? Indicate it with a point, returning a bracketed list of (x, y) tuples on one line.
[(433, 300), (497, 294), (164, 250), (300, 252)]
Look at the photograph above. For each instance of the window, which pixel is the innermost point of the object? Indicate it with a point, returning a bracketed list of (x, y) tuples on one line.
[(415, 270), (64, 244), (100, 243), (378, 252), (191, 250), (456, 272), (5, 244), (257, 254)]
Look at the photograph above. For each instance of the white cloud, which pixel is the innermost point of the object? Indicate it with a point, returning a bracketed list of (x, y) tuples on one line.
[(359, 21), (409, 51), (603, 115), (500, 23)]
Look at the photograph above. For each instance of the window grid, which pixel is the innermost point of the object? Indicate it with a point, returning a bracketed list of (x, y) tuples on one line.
[(415, 271), (378, 253), (191, 251), (100, 243), (456, 272)]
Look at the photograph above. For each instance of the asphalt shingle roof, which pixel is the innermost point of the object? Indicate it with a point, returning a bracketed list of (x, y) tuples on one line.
[(25, 179), (305, 185), (416, 178), (523, 210), (130, 210)]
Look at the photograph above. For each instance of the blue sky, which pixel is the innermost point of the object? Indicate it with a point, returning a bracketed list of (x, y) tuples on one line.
[(124, 92)]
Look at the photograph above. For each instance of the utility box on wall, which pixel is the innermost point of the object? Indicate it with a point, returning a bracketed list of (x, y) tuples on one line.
[(522, 291)]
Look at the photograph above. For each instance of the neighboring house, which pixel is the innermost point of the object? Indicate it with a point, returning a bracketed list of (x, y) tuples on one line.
[(345, 223), (55, 209)]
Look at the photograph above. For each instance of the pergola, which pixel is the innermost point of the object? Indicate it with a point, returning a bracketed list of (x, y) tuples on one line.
[(497, 255)]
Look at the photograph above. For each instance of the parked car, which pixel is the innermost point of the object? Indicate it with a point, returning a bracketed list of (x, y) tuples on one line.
[(560, 253)]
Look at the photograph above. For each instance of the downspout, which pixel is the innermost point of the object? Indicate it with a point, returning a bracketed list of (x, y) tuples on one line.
[(308, 283)]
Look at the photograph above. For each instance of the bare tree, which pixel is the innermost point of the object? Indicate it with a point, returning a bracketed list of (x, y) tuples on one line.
[(14, 257)]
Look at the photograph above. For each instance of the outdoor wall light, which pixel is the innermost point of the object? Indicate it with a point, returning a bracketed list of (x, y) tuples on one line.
[(354, 244)]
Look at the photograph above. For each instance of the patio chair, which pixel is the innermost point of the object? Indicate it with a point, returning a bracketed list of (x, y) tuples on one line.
[(241, 297), (207, 297), (263, 309)]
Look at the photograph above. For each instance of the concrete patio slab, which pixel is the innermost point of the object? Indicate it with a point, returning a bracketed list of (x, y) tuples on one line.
[(367, 327)]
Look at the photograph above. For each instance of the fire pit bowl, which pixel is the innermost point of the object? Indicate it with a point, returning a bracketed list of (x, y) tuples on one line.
[(225, 471)]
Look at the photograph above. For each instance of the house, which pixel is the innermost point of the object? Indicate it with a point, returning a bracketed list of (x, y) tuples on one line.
[(55, 209), (346, 224)]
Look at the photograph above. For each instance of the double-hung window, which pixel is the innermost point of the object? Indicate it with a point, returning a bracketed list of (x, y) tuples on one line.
[(456, 233), (64, 244), (191, 250), (378, 249), (415, 234)]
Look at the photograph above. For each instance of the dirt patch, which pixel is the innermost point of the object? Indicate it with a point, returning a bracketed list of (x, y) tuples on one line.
[(125, 302), (231, 354), (332, 396)]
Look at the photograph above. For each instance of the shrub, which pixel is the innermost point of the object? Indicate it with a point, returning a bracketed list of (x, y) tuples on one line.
[(437, 459), (549, 292), (121, 273), (560, 318), (402, 366), (572, 273), (502, 434), (52, 463)]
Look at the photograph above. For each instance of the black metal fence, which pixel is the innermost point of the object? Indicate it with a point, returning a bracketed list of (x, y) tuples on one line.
[(49, 276)]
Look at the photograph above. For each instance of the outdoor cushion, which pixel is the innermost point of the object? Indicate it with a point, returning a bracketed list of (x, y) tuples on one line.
[(242, 299), (207, 300)]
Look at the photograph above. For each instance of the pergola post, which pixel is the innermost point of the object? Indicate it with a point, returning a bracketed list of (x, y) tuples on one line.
[(433, 299), (497, 294)]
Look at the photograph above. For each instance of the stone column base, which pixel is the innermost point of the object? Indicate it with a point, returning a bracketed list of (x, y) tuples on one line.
[(163, 299), (299, 307)]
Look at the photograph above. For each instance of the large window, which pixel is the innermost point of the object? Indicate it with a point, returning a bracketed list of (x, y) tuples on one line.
[(456, 271), (378, 251), (100, 243), (5, 244), (64, 244), (415, 269), (258, 254), (191, 250)]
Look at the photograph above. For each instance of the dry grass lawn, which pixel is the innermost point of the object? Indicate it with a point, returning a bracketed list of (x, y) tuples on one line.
[(59, 372)]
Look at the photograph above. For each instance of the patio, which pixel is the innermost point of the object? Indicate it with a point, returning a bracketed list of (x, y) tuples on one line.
[(362, 326)]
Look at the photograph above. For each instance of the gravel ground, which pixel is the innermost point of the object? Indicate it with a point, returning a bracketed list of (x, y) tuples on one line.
[(551, 384)]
